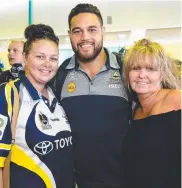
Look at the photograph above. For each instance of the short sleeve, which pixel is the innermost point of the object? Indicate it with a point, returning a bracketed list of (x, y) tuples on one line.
[(5, 122)]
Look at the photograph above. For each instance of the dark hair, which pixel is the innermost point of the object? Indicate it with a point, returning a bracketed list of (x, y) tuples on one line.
[(84, 8), (38, 32)]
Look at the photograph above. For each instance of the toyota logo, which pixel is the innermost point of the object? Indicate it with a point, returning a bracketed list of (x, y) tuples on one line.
[(43, 148)]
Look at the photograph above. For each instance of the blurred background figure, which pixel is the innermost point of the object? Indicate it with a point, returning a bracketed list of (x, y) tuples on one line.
[(15, 57), (15, 50), (1, 67)]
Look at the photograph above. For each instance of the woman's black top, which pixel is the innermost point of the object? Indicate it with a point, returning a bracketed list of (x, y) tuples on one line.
[(152, 151)]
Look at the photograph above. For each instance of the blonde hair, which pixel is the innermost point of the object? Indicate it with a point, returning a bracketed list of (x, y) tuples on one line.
[(144, 48), (21, 41)]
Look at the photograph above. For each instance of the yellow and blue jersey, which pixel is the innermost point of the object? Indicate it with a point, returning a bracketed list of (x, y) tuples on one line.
[(41, 156)]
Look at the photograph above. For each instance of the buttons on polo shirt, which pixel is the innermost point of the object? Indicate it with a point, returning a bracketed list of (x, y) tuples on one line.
[(92, 87), (46, 102)]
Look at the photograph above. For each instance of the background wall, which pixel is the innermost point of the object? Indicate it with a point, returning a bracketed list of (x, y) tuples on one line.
[(129, 21), (174, 49)]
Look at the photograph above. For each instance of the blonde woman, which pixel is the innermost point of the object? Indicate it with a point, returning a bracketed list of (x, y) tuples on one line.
[(152, 146)]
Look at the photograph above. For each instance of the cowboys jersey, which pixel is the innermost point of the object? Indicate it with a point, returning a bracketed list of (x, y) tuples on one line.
[(41, 156)]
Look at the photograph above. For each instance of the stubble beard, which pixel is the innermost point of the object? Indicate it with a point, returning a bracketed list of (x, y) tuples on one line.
[(87, 58)]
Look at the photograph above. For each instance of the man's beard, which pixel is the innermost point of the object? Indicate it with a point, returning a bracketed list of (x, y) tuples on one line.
[(87, 58)]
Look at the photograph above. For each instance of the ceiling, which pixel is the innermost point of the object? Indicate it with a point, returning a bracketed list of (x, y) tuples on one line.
[(154, 19)]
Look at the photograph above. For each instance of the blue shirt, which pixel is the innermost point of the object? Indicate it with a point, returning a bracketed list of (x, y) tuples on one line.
[(97, 109)]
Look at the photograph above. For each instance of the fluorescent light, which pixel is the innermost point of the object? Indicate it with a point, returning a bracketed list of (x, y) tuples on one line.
[(121, 36)]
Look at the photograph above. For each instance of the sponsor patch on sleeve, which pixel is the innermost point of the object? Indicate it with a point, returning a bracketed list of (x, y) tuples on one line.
[(3, 123)]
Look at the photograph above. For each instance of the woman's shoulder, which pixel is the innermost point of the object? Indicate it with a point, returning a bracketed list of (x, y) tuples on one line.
[(6, 87), (172, 99)]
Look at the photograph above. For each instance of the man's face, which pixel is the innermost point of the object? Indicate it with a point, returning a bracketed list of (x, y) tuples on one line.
[(86, 36), (15, 51)]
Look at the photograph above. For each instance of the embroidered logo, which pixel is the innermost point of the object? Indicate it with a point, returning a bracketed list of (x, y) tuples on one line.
[(116, 76), (3, 123), (65, 118), (71, 76), (44, 121), (115, 80), (71, 87)]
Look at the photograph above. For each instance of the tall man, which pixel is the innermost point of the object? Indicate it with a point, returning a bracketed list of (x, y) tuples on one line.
[(95, 102), (15, 57)]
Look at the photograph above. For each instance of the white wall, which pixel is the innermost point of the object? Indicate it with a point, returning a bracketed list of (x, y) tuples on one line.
[(174, 49)]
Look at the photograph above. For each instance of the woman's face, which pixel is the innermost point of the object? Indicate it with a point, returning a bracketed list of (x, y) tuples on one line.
[(41, 63), (145, 79)]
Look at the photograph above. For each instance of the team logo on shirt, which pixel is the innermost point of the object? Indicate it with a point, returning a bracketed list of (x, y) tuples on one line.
[(3, 123), (44, 121), (46, 147), (71, 87), (115, 80), (66, 119), (43, 148), (116, 76), (71, 76)]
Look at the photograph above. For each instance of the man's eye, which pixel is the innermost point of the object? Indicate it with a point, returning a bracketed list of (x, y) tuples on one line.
[(92, 30), (76, 31)]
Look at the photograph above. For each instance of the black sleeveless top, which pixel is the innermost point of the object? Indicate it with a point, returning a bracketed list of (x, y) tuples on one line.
[(152, 151)]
